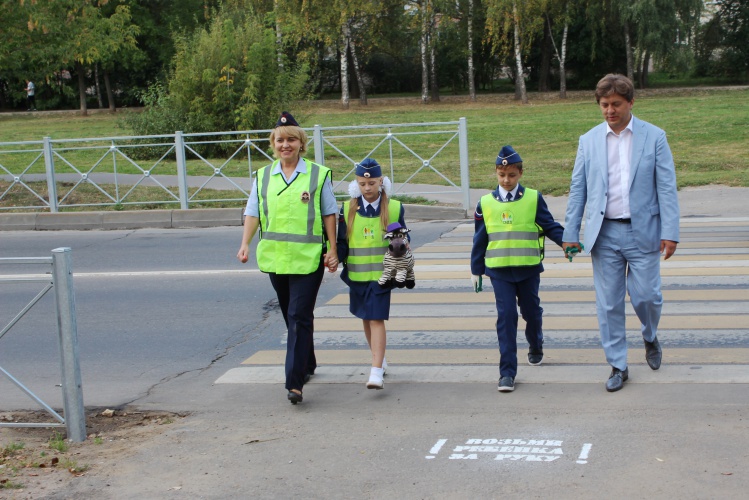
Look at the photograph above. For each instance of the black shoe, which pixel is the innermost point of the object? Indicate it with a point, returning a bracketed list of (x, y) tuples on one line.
[(294, 397), (653, 353), (535, 357), (506, 384), (307, 376), (616, 379)]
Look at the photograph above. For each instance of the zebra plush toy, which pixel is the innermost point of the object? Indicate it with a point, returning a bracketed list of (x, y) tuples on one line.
[(399, 261)]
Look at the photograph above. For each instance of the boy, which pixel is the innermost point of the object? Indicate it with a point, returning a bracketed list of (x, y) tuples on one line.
[(508, 246)]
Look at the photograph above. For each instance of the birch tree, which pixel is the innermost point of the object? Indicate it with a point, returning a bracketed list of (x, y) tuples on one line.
[(424, 43), (471, 71), (512, 26), (561, 11)]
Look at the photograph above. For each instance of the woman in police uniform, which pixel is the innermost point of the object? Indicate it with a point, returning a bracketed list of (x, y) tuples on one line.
[(361, 247), (293, 205)]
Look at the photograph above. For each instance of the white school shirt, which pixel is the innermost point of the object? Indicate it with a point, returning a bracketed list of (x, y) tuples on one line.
[(375, 204)]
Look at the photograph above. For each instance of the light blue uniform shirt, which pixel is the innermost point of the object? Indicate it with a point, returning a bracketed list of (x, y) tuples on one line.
[(327, 201)]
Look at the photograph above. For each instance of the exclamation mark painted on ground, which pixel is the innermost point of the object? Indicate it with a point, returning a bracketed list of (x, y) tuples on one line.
[(436, 448), (583, 458)]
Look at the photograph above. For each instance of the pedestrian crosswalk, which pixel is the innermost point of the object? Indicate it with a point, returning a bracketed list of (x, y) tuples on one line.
[(444, 323)]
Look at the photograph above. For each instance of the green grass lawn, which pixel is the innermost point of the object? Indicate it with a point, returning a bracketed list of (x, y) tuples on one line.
[(708, 131)]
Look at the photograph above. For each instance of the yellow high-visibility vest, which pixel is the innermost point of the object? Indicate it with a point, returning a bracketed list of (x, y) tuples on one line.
[(366, 246), (291, 227), (514, 237)]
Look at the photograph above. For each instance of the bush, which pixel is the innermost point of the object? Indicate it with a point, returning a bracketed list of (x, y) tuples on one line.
[(225, 78)]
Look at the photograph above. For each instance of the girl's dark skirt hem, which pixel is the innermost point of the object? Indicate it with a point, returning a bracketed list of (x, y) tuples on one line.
[(368, 300)]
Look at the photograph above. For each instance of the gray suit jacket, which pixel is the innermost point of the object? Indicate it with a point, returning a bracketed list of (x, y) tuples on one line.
[(653, 201)]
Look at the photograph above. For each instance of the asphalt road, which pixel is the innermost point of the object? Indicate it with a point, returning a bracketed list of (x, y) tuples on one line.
[(152, 305)]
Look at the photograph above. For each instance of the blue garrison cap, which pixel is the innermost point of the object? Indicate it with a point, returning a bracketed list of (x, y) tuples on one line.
[(368, 168), (508, 156), (286, 120)]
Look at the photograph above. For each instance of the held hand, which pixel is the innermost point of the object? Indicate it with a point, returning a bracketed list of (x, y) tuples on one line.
[(668, 248), (570, 249), (477, 282), (330, 260)]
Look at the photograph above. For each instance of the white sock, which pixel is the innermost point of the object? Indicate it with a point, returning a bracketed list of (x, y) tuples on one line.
[(376, 372)]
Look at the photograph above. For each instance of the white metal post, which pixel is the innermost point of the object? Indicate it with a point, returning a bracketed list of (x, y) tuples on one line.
[(179, 149), (465, 181), (317, 141), (49, 166)]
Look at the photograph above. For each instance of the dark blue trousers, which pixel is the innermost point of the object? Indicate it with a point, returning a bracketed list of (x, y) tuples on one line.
[(297, 294), (526, 293)]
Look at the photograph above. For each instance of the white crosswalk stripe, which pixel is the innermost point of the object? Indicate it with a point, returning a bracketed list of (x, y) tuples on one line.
[(705, 314)]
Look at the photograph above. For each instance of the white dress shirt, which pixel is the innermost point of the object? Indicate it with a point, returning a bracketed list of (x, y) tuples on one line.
[(619, 150)]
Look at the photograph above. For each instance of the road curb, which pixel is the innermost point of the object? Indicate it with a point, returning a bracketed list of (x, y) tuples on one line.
[(172, 219)]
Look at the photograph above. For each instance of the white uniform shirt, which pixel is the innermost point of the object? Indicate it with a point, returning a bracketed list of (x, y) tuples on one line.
[(328, 202)]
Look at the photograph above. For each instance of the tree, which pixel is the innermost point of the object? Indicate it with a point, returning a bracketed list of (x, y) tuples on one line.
[(78, 33), (15, 38), (225, 77), (471, 72), (657, 29), (561, 10), (722, 40), (424, 17), (524, 21)]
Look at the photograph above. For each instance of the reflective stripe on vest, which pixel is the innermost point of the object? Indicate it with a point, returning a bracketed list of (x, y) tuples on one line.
[(291, 230), (366, 246), (514, 237)]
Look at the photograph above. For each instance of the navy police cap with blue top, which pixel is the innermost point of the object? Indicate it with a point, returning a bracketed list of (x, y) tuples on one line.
[(368, 168), (286, 120), (508, 156)]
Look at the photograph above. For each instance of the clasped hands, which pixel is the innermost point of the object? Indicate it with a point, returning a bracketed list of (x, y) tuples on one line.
[(572, 249), (330, 260)]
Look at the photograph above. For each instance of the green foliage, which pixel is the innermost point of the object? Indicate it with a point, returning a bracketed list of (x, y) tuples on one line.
[(225, 77), (160, 115)]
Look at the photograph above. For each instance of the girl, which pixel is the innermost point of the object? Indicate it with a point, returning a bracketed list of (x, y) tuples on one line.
[(362, 223)]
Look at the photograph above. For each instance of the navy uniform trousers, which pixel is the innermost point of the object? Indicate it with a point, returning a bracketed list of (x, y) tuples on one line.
[(505, 294), (297, 294)]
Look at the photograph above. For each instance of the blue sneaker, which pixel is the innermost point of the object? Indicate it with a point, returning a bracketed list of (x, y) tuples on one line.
[(506, 384)]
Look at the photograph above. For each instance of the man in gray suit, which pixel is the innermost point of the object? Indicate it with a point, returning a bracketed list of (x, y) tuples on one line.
[(624, 173)]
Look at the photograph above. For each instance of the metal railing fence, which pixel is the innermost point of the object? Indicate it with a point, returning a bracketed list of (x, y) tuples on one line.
[(189, 169), (61, 281)]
